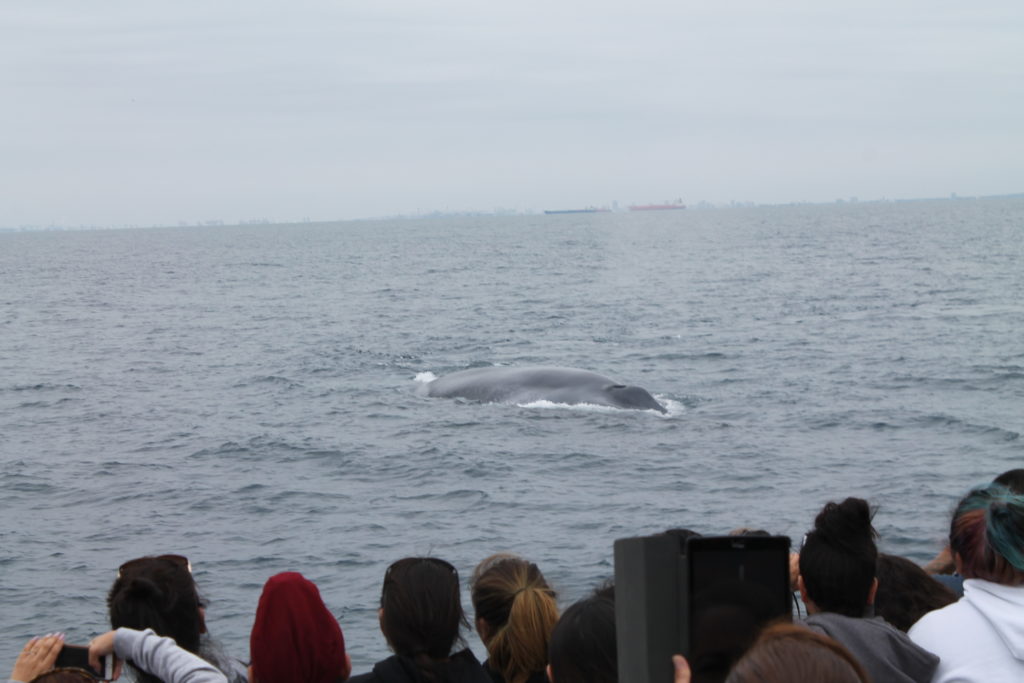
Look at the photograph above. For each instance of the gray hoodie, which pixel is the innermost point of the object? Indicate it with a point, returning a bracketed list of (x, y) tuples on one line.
[(883, 650), (163, 658)]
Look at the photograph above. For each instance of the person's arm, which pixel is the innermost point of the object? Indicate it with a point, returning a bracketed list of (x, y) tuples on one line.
[(942, 563), (155, 655), (794, 572), (37, 657)]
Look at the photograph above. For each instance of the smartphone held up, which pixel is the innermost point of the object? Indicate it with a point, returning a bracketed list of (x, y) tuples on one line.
[(77, 657), (703, 597)]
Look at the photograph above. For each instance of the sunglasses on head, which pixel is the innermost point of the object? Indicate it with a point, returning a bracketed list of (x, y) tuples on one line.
[(179, 560), (412, 561)]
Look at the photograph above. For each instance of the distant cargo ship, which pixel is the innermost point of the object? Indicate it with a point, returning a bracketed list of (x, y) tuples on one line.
[(677, 204), (590, 210)]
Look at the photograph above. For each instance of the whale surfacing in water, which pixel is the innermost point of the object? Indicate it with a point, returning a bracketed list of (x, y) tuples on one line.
[(570, 386)]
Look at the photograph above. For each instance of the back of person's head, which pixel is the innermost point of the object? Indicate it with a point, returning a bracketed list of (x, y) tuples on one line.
[(582, 647), (837, 561), (605, 589), (748, 531), (421, 608), (906, 592), (682, 534), (987, 534), (519, 610), (488, 562), (65, 675), (1012, 479), (158, 593), (786, 652), (295, 638)]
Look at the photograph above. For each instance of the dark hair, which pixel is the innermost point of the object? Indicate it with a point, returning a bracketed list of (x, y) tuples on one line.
[(747, 531), (520, 609), (837, 561), (1011, 479), (421, 611), (987, 532), (65, 675), (682, 534), (786, 652), (605, 589), (157, 593), (582, 647), (906, 592)]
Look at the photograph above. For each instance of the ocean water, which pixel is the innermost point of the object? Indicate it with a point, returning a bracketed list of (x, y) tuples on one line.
[(247, 396)]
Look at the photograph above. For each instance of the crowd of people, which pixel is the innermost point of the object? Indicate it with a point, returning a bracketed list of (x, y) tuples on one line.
[(869, 617)]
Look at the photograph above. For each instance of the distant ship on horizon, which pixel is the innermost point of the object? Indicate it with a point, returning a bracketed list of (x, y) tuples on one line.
[(667, 206), (587, 210)]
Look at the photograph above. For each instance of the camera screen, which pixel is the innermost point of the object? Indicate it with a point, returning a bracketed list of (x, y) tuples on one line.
[(76, 656), (735, 587)]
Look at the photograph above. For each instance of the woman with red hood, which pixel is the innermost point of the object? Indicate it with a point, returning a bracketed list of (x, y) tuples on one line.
[(295, 638)]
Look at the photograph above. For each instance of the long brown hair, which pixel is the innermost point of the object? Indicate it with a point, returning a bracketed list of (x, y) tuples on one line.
[(520, 610), (421, 612)]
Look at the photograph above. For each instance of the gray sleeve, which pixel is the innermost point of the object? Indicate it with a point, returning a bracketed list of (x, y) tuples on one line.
[(163, 658)]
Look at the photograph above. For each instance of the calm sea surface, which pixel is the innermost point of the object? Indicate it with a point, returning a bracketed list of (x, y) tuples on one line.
[(247, 396)]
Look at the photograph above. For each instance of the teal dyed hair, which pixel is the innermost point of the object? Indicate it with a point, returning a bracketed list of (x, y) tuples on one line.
[(987, 532)]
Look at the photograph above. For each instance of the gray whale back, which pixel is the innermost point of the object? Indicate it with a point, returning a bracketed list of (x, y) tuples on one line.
[(571, 386)]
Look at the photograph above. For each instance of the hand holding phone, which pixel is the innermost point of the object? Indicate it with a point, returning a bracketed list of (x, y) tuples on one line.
[(81, 657), (101, 652)]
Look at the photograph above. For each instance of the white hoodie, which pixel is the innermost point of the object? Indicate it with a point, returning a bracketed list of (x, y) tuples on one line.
[(979, 638)]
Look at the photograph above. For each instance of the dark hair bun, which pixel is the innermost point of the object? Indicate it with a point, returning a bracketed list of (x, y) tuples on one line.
[(143, 589), (846, 524), (837, 560)]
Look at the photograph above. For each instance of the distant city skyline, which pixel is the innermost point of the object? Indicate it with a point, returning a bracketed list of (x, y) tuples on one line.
[(142, 115), (498, 211)]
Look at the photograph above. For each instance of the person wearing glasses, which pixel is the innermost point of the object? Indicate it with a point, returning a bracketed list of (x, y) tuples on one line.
[(421, 618), (159, 593)]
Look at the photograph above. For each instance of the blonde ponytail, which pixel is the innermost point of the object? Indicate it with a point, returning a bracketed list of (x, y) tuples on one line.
[(520, 610)]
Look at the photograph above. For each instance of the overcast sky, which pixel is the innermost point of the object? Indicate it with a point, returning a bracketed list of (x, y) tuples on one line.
[(140, 112)]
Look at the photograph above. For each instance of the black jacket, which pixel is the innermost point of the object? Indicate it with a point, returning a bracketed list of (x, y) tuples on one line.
[(496, 677), (461, 667)]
